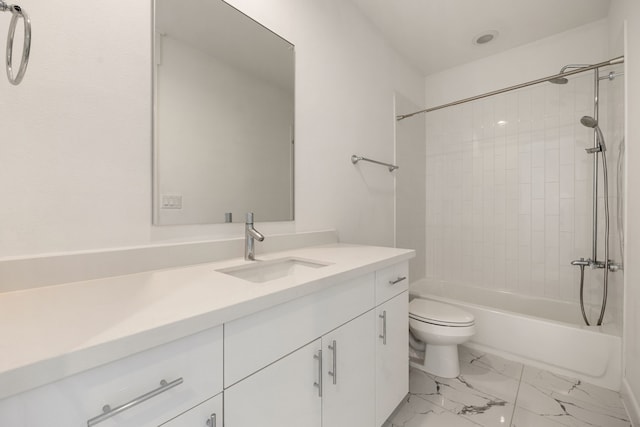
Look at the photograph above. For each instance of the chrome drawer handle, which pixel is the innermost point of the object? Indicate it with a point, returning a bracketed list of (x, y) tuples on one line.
[(398, 280), (108, 412), (318, 384), (211, 422), (383, 316), (334, 374)]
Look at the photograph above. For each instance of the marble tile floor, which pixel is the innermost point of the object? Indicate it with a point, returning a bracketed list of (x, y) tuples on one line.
[(491, 391)]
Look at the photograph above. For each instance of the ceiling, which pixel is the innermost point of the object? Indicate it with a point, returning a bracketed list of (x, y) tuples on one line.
[(438, 34), (227, 34)]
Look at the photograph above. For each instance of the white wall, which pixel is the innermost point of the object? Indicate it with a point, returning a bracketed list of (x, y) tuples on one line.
[(628, 11), (583, 45), (411, 185), (76, 135)]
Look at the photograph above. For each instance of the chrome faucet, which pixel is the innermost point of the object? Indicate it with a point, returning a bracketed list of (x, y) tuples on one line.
[(250, 235)]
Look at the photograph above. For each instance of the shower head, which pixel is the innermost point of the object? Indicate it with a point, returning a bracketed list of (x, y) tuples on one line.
[(564, 80), (589, 122), (592, 123), (559, 81)]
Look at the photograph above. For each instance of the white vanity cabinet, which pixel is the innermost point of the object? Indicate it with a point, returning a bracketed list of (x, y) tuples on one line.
[(392, 371), (328, 382), (392, 339), (277, 360), (329, 359), (190, 369), (255, 341), (334, 356)]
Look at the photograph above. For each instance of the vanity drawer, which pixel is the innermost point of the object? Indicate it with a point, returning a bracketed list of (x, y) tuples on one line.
[(207, 413), (390, 282), (255, 341), (191, 367)]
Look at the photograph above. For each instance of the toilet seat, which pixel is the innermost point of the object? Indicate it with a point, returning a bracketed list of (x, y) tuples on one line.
[(436, 313)]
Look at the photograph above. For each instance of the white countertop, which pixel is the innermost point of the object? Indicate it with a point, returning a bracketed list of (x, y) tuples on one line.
[(49, 333)]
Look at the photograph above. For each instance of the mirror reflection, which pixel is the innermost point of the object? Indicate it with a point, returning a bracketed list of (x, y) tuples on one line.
[(223, 116)]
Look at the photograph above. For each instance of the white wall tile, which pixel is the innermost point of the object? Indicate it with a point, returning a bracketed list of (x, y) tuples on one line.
[(551, 165), (537, 183), (525, 199), (552, 198), (524, 230), (537, 247), (566, 217), (537, 154), (537, 215)]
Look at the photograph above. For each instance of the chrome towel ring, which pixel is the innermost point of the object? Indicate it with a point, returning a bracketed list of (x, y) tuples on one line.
[(17, 12)]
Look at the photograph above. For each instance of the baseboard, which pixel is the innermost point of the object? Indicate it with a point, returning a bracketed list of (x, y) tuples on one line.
[(630, 403)]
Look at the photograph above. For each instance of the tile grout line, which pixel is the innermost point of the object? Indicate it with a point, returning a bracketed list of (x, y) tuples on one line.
[(515, 401)]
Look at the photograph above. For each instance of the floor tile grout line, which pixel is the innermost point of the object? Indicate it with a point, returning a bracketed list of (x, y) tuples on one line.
[(515, 401)]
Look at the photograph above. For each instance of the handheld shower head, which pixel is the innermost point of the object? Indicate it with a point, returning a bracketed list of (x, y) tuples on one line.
[(592, 123), (589, 122)]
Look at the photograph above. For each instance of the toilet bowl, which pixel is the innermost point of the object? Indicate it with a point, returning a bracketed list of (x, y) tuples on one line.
[(441, 327)]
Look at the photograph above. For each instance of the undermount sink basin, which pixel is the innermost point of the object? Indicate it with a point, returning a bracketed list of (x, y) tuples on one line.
[(264, 271)]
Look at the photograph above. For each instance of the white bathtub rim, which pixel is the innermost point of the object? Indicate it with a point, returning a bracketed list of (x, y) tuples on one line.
[(413, 293)]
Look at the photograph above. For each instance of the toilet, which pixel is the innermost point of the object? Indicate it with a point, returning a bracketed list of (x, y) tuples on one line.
[(439, 328)]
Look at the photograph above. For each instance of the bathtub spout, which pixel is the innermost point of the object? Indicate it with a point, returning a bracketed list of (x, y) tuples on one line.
[(415, 343)]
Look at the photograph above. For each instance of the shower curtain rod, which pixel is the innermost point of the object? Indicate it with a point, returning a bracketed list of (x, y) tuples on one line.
[(618, 60)]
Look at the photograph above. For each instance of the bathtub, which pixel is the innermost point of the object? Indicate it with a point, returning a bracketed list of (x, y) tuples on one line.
[(539, 332)]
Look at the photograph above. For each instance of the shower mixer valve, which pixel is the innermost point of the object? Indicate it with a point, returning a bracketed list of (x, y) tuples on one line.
[(613, 267)]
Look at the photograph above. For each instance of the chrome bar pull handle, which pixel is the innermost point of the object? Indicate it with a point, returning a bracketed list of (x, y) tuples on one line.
[(398, 280), (211, 422), (318, 384), (383, 316), (108, 412), (334, 348)]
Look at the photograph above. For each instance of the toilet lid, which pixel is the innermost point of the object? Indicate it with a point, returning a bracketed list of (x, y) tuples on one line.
[(438, 313)]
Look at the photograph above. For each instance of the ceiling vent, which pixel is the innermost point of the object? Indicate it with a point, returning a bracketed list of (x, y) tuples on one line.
[(485, 37)]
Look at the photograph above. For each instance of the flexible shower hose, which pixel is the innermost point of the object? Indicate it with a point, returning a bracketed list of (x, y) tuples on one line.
[(606, 250)]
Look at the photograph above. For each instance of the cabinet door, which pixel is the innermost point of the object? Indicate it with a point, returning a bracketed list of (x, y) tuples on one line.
[(349, 365), (206, 414), (285, 393), (392, 355)]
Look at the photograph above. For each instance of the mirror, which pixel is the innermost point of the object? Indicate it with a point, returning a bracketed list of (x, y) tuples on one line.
[(223, 116)]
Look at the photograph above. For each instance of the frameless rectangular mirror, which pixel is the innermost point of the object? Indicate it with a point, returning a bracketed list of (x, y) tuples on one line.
[(223, 116)]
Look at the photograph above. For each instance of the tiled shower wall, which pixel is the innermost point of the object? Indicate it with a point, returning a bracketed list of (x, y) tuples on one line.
[(509, 190)]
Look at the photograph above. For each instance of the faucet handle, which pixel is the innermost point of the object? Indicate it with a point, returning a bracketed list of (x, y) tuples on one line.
[(249, 218)]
